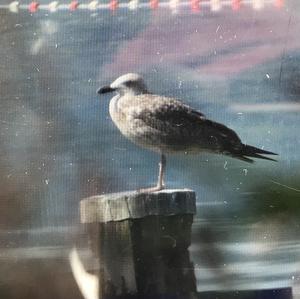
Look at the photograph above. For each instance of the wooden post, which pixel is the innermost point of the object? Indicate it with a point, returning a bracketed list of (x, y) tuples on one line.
[(142, 242)]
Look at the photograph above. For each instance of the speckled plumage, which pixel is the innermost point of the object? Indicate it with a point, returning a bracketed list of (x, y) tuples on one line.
[(167, 125)]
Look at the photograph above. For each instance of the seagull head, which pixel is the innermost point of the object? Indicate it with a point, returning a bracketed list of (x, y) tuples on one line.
[(129, 83)]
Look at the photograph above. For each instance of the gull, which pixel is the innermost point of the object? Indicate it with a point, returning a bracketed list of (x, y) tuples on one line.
[(167, 126)]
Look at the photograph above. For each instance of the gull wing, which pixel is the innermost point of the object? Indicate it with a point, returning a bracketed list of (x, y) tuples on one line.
[(181, 126), (168, 125), (156, 110)]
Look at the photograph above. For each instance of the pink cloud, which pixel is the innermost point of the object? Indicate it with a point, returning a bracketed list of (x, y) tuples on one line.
[(224, 43)]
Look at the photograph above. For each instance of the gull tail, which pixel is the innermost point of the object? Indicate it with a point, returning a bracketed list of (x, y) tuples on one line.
[(247, 152)]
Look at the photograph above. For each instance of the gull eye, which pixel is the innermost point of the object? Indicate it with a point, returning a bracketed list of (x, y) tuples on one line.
[(129, 83)]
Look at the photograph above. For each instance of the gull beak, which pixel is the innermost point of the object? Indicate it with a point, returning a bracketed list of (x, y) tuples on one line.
[(105, 89)]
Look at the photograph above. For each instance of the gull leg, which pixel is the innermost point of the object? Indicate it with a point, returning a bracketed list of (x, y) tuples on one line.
[(161, 173), (162, 166)]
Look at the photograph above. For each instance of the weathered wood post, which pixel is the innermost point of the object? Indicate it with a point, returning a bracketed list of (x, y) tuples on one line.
[(142, 242)]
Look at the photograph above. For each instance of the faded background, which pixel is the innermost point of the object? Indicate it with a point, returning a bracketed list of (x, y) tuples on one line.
[(58, 144)]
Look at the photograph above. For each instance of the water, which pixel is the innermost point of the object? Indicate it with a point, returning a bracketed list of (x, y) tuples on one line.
[(59, 145)]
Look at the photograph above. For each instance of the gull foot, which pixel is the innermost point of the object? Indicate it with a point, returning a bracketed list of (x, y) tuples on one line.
[(151, 189)]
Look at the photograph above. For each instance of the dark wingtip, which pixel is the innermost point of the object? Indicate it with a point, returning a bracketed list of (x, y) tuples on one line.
[(257, 150), (252, 151), (267, 153), (257, 156), (265, 158), (248, 152)]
